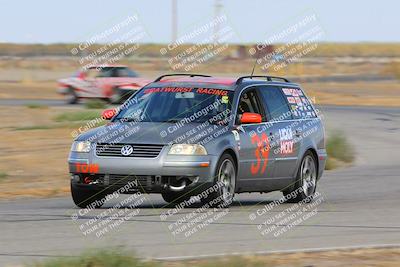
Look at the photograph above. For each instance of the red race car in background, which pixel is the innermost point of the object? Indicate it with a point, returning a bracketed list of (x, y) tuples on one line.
[(114, 83)]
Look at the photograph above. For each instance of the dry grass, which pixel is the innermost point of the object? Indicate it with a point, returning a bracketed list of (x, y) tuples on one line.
[(356, 93), (153, 50), (388, 257), (35, 160)]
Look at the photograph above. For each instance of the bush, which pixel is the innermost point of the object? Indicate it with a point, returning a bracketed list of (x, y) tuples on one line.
[(3, 176), (339, 150), (77, 116), (95, 104), (36, 106), (100, 258), (393, 69)]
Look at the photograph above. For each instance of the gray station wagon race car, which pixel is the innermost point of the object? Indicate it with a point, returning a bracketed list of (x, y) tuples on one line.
[(185, 134)]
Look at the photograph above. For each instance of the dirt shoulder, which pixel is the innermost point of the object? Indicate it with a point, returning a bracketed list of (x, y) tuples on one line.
[(33, 153), (388, 257)]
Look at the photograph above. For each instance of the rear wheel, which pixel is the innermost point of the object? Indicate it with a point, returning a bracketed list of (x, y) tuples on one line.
[(306, 181), (85, 197), (223, 190)]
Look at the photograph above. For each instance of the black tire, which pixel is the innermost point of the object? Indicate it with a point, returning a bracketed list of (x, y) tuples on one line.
[(71, 97), (116, 97), (306, 181), (85, 197), (224, 183), (175, 197)]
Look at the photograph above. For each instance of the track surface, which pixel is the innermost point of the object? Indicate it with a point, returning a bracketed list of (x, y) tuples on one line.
[(360, 208)]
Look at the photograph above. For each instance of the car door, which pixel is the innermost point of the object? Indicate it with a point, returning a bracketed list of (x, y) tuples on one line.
[(104, 81), (84, 84), (254, 163), (285, 148)]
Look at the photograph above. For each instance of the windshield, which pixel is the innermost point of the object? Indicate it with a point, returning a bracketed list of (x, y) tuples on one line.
[(174, 104)]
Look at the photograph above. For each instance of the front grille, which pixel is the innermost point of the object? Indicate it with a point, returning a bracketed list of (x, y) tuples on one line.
[(121, 180), (139, 150)]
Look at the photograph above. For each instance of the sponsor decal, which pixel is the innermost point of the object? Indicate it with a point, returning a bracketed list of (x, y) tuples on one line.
[(291, 100), (236, 135), (208, 91), (298, 102), (86, 168), (286, 140), (286, 91), (225, 99)]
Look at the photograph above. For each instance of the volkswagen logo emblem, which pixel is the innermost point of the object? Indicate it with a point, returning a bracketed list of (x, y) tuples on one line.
[(126, 150)]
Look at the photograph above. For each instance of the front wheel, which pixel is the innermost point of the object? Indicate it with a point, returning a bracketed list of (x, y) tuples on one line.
[(223, 190), (306, 181), (71, 97), (86, 197), (116, 97)]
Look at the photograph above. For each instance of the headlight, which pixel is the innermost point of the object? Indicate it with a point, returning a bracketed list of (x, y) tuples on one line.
[(80, 146), (187, 149)]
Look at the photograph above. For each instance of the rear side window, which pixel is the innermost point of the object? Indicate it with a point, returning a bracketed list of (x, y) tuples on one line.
[(125, 72), (276, 104), (299, 104)]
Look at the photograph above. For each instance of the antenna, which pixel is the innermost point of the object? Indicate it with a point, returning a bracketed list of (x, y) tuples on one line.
[(254, 65)]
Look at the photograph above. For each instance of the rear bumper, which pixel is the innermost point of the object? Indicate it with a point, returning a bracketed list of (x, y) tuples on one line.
[(322, 157)]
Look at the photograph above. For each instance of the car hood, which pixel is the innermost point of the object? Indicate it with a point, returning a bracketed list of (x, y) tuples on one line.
[(151, 133)]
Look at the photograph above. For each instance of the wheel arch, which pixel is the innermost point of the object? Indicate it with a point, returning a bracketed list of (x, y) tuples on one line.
[(232, 153)]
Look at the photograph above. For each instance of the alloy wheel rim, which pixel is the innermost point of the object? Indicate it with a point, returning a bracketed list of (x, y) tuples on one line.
[(308, 175), (227, 178)]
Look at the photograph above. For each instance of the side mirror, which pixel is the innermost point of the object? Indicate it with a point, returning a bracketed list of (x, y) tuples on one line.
[(249, 117), (108, 114), (82, 75)]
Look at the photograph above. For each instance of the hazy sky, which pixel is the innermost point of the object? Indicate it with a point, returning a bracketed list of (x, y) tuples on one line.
[(51, 21)]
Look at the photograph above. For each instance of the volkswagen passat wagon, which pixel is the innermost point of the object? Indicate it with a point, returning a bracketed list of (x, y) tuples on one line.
[(186, 134)]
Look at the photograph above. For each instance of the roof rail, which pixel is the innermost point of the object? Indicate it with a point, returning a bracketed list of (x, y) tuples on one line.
[(180, 74), (269, 78)]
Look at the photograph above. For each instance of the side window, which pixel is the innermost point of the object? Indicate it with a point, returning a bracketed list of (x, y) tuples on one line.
[(277, 106), (249, 102), (299, 104), (106, 72), (124, 72)]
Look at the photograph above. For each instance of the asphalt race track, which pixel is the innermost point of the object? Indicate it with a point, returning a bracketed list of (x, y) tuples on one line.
[(359, 207)]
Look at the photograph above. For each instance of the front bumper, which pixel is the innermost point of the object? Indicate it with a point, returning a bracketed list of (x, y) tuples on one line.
[(152, 175), (63, 90)]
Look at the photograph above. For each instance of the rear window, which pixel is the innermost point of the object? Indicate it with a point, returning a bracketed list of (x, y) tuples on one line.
[(277, 107), (299, 104)]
